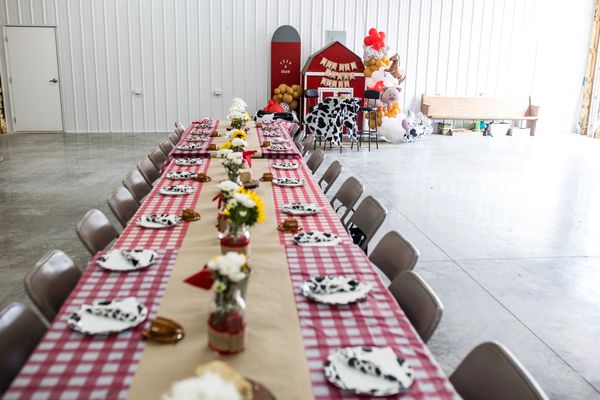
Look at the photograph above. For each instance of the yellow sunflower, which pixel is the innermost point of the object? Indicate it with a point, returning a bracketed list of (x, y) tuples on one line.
[(260, 206), (225, 146), (238, 133)]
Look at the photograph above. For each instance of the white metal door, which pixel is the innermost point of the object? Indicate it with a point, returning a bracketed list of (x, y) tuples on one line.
[(33, 78)]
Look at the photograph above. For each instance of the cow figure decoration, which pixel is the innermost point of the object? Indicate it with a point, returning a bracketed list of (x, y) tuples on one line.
[(328, 119), (416, 127)]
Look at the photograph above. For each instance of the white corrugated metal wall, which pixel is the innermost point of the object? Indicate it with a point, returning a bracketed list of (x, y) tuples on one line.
[(176, 52)]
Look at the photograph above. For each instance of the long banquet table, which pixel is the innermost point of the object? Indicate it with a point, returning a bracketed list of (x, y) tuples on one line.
[(288, 337)]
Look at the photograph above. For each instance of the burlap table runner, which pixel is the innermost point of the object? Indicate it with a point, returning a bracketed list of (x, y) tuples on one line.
[(274, 353)]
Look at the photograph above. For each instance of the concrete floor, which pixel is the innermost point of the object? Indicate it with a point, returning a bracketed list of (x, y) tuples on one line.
[(507, 229)]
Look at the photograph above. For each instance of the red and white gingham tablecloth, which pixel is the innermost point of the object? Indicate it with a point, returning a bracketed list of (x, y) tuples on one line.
[(69, 365)]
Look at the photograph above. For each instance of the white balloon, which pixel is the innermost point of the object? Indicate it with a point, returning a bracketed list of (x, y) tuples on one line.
[(391, 128)]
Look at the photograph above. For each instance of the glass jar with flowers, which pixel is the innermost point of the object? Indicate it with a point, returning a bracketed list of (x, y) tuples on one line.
[(226, 320), (226, 191), (232, 162), (244, 210)]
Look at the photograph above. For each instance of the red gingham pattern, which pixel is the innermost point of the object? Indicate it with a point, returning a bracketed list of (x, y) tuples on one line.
[(326, 220), (377, 321), (202, 152), (286, 128), (169, 238), (69, 365)]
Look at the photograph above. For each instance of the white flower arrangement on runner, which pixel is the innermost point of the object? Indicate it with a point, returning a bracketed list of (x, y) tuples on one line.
[(209, 386), (227, 270), (237, 113), (232, 162), (238, 144)]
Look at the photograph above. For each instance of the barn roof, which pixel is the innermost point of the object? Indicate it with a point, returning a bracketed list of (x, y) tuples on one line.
[(336, 43)]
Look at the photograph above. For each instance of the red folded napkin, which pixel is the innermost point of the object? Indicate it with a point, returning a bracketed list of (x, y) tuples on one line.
[(247, 156), (203, 279)]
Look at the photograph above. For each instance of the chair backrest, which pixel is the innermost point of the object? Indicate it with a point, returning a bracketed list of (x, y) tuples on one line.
[(179, 128), (95, 231), (148, 170), (371, 96), (174, 138), (419, 302), (135, 182), (295, 129), (51, 281), (157, 157), (394, 254), (490, 371), (368, 217), (20, 332), (331, 174), (123, 205), (315, 160), (307, 143), (311, 93), (347, 195), (166, 146)]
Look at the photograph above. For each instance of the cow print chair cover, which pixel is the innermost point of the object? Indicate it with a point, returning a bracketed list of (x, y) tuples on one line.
[(328, 119)]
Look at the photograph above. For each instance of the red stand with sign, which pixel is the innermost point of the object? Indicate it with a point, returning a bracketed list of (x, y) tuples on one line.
[(285, 57)]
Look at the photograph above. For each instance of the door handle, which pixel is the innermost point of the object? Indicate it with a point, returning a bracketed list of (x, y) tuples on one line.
[(53, 80)]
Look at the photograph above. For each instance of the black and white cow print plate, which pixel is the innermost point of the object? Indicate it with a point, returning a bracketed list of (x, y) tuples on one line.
[(289, 182), (279, 147), (176, 190), (192, 146), (106, 317), (286, 165), (181, 175), (375, 371), (272, 134), (198, 139), (300, 209), (189, 161), (127, 260), (334, 289), (316, 239), (158, 221), (281, 141)]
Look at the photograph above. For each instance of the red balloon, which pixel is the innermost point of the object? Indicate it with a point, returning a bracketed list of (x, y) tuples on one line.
[(372, 32), (378, 86), (382, 35), (368, 41)]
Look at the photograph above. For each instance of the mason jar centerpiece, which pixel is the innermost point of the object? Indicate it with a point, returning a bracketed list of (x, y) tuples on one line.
[(226, 320), (243, 210)]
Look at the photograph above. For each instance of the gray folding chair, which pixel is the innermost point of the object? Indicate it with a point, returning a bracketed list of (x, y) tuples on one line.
[(419, 302), (135, 182), (179, 129), (490, 371), (166, 146), (20, 332), (51, 281), (95, 231), (148, 171), (365, 221), (157, 157), (307, 143), (330, 176), (394, 254), (315, 160), (347, 195), (123, 205), (174, 138)]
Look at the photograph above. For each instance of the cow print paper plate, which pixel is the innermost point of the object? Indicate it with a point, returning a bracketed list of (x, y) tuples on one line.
[(189, 161), (316, 239), (300, 209), (374, 371), (192, 146), (289, 182), (198, 139), (176, 190), (127, 260), (181, 175), (287, 165), (272, 134), (106, 317), (158, 221), (335, 289), (279, 147)]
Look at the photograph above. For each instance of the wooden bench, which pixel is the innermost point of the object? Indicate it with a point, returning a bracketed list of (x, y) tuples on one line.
[(481, 108)]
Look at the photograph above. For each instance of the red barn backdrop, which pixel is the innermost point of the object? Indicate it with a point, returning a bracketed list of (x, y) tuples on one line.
[(334, 71)]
